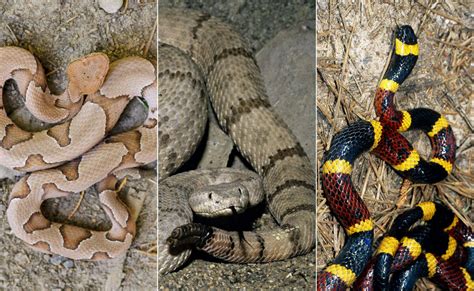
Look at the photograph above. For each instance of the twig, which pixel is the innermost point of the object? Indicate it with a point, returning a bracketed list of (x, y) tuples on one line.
[(13, 34), (150, 39), (451, 44), (78, 204), (442, 14)]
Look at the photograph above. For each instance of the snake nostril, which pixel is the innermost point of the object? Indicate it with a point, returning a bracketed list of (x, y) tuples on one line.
[(209, 195)]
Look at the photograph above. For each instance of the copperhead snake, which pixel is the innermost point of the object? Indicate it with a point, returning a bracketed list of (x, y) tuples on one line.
[(200, 56), (76, 152)]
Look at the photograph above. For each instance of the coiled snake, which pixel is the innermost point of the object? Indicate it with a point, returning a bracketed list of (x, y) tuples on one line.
[(76, 151), (384, 140), (224, 65)]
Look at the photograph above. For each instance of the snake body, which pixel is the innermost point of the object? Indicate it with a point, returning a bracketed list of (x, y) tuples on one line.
[(76, 151), (236, 90), (447, 244), (383, 139), (441, 249)]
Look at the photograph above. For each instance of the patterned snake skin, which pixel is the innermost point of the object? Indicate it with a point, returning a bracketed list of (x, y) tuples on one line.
[(236, 90)]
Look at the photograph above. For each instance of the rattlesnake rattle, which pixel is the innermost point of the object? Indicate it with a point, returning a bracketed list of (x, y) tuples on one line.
[(226, 65), (73, 155)]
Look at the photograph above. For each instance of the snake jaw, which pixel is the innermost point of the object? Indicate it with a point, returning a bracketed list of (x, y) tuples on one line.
[(228, 211)]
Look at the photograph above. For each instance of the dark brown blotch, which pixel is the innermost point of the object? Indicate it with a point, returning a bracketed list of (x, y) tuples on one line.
[(287, 185), (21, 189), (60, 133), (42, 246), (281, 154), (244, 107), (36, 222), (99, 256), (73, 236), (14, 135)]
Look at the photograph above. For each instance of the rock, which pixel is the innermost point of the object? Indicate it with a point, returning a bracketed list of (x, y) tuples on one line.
[(6, 173), (288, 63), (56, 260), (217, 150), (21, 259), (68, 264), (110, 6)]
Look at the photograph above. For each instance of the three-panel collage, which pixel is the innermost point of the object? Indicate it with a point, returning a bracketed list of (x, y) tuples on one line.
[(236, 145)]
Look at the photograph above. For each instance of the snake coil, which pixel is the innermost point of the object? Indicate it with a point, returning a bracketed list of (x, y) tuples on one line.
[(382, 138)]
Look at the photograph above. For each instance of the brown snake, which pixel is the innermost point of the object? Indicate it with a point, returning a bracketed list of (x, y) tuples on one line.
[(76, 151), (198, 53)]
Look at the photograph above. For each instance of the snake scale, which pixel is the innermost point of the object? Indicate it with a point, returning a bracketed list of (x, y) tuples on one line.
[(223, 66), (76, 152)]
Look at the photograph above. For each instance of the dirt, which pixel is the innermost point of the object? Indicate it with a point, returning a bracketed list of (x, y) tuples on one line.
[(353, 44), (58, 32)]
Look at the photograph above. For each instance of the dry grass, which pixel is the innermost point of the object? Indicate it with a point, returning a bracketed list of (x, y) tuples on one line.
[(353, 45)]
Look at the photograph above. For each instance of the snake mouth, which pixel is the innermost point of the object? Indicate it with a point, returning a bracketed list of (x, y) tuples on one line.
[(228, 211)]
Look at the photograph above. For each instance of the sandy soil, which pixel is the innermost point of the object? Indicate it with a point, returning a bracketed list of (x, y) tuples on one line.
[(58, 32), (353, 45)]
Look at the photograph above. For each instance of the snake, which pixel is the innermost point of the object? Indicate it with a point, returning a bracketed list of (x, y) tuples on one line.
[(383, 138), (442, 250), (76, 151), (202, 57)]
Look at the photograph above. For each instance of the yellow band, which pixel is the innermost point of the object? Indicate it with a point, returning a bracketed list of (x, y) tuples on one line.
[(439, 125), (468, 278), (428, 208), (412, 245), (337, 167), (453, 224), (469, 244), (406, 122), (403, 49), (452, 244), (410, 162), (432, 263), (389, 245), (345, 274), (364, 225), (448, 167), (377, 133), (389, 85)]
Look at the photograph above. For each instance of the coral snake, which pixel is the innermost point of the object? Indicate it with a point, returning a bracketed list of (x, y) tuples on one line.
[(442, 250), (383, 138)]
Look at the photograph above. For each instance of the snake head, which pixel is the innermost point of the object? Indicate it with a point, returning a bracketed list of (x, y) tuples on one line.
[(220, 200), (86, 75)]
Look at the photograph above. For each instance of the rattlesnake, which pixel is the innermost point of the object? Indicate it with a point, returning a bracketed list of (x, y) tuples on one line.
[(224, 66), (73, 155)]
